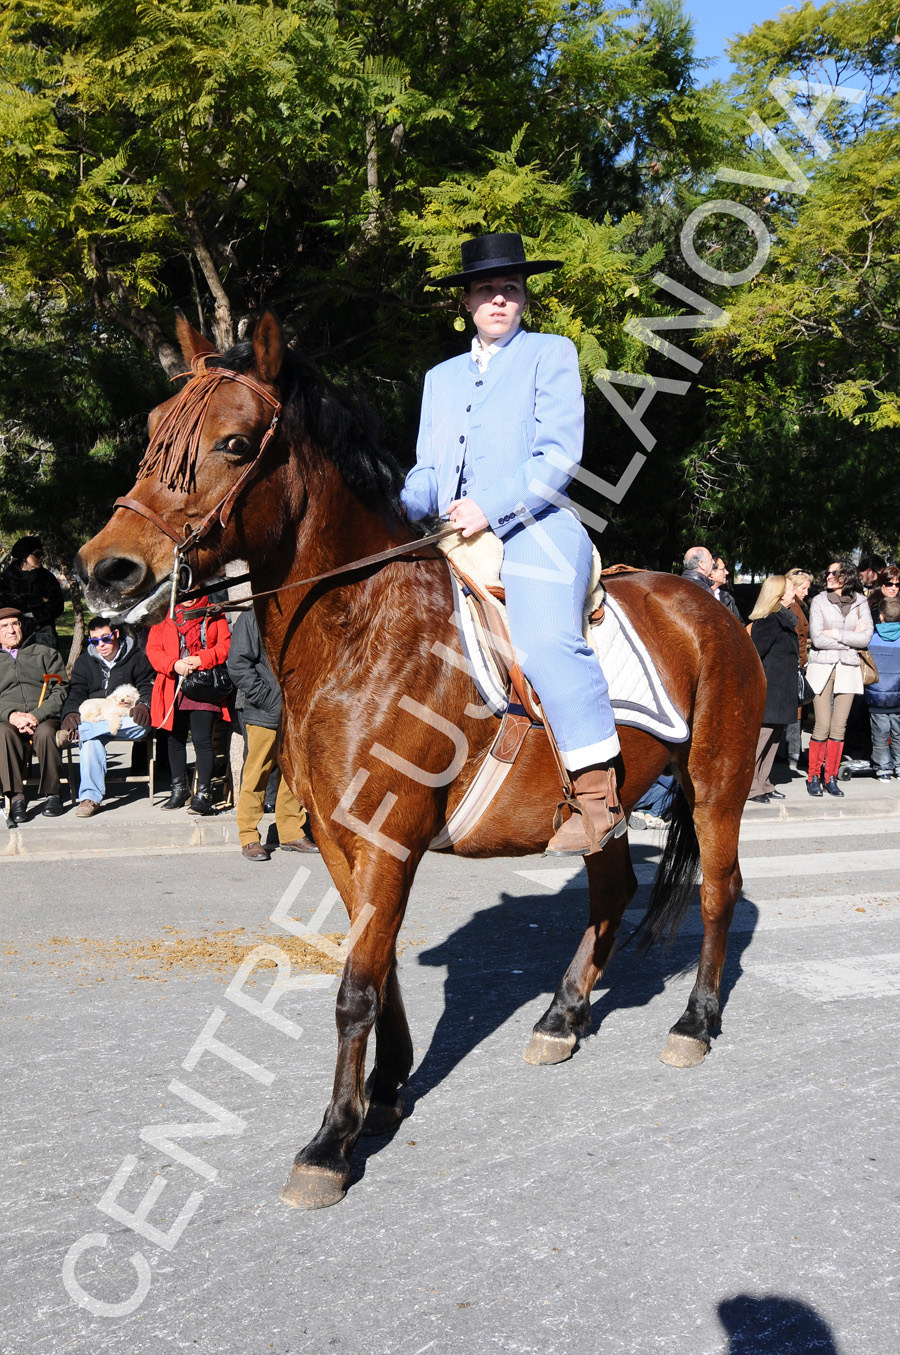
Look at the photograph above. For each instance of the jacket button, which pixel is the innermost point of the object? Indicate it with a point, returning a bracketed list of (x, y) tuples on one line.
[(462, 437), (457, 470), (479, 383), (468, 408)]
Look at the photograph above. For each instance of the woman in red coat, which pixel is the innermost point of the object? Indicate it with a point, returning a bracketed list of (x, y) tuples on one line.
[(176, 648)]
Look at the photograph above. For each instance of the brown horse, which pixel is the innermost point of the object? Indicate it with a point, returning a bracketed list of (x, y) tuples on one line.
[(383, 734)]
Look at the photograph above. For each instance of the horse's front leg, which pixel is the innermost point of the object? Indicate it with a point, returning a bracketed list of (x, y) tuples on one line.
[(612, 885), (718, 829), (393, 1060), (321, 1171)]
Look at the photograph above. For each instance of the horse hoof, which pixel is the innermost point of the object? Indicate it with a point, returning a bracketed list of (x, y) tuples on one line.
[(312, 1188), (549, 1049), (383, 1119), (683, 1051)]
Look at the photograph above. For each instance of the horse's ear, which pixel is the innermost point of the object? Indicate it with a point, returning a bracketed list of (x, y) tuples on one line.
[(191, 340), (268, 347)]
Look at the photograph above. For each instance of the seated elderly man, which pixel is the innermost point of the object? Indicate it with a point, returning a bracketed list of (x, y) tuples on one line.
[(29, 714), (112, 659)]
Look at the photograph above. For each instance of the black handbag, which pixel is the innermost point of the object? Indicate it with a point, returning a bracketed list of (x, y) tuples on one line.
[(208, 684), (805, 692)]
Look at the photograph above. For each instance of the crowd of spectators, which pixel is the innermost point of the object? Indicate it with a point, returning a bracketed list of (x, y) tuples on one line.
[(131, 685), (838, 652)]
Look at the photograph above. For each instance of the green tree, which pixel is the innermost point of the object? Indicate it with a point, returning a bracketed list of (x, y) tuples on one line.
[(802, 383), (302, 153)]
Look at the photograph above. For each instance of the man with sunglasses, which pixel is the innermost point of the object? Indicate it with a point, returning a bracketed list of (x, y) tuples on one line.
[(112, 659)]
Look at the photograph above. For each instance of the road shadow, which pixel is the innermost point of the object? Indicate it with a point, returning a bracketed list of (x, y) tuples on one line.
[(771, 1325), (508, 955)]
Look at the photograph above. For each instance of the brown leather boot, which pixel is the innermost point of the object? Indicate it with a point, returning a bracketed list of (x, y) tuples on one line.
[(596, 817)]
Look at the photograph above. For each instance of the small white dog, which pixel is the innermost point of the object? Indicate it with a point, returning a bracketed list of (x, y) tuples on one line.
[(112, 708)]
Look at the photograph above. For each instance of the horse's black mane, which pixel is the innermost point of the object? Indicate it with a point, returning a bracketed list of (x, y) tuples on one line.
[(343, 425)]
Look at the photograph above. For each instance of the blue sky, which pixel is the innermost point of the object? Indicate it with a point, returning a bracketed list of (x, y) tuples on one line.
[(715, 21)]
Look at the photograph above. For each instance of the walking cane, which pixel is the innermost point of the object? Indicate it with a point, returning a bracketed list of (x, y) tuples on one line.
[(48, 678)]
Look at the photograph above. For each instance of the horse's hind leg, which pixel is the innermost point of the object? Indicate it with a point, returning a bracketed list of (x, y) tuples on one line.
[(612, 884), (718, 829)]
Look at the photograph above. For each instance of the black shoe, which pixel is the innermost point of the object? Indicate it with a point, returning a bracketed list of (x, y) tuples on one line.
[(814, 786), (760, 799), (178, 796), (833, 788), (201, 803), (777, 795), (53, 807), (18, 811)]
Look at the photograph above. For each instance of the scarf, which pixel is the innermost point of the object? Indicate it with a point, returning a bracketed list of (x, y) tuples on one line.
[(889, 630), (189, 627)]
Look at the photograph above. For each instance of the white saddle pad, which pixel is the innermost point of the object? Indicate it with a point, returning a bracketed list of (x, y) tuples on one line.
[(636, 692), (635, 689)]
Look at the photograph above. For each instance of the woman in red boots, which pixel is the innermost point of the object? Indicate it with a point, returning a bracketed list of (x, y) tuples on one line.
[(840, 625)]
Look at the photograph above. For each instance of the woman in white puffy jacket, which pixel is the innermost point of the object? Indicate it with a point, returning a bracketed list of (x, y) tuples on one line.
[(840, 625)]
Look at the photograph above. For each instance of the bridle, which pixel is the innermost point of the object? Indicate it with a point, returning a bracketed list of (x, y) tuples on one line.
[(172, 456), (173, 451)]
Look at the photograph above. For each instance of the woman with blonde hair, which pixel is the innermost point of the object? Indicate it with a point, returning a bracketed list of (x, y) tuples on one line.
[(801, 581), (773, 630)]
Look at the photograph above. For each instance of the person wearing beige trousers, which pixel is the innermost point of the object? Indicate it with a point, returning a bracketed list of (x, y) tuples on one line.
[(840, 625), (250, 672)]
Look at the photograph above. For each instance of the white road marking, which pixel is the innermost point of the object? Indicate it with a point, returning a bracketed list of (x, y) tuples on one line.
[(780, 830), (815, 864), (779, 914), (819, 864), (831, 980)]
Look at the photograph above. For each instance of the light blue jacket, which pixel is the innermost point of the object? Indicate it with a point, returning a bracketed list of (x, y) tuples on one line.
[(519, 426)]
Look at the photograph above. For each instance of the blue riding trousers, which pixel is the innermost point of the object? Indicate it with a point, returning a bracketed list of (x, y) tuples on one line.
[(546, 572)]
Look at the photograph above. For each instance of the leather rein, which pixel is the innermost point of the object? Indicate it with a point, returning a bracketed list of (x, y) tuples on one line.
[(182, 434)]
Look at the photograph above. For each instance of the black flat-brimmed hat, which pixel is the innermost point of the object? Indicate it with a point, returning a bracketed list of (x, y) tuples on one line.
[(490, 255), (25, 546)]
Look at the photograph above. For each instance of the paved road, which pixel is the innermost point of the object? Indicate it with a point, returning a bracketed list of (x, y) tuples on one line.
[(611, 1204)]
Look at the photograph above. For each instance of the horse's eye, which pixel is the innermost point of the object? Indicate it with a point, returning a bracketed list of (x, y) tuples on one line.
[(236, 445)]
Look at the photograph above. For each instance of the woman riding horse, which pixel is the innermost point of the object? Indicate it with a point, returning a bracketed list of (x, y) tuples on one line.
[(500, 438), (256, 459)]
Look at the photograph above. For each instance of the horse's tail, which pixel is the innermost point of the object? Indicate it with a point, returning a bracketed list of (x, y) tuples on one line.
[(676, 878)]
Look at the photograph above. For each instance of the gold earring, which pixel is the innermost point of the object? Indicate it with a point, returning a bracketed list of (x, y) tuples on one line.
[(459, 324)]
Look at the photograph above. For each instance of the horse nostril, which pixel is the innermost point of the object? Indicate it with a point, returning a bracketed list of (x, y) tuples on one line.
[(116, 573)]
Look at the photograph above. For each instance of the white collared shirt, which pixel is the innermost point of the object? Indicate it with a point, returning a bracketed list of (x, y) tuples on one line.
[(482, 355)]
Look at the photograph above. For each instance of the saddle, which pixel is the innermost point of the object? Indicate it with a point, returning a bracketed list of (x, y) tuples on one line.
[(475, 564), (637, 694)]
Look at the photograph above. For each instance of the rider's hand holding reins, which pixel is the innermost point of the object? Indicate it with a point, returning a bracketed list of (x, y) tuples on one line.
[(467, 517)]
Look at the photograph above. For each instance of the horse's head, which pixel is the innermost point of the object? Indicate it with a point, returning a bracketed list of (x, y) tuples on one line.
[(194, 496)]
